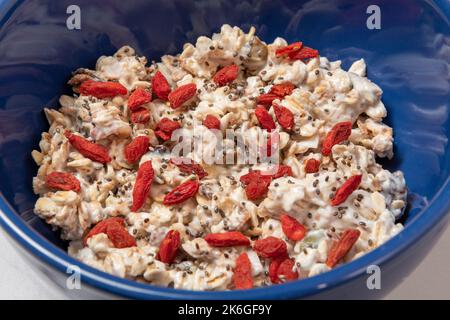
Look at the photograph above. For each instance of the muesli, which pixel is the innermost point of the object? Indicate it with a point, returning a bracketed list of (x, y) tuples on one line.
[(110, 180)]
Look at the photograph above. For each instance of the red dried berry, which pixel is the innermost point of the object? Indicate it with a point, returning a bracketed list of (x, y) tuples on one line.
[(242, 276), (285, 271), (312, 165), (226, 75), (168, 248), (182, 94), (273, 268), (258, 186), (282, 90), (293, 229), (270, 248), (266, 99), (272, 143), (227, 239), (264, 118), (140, 115), (160, 86), (142, 185), (304, 53), (165, 128), (62, 181), (100, 227), (277, 91), (283, 171), (342, 247), (290, 49), (346, 190), (257, 183), (338, 134), (119, 236), (102, 90), (138, 98), (211, 122), (136, 148), (189, 166), (181, 193), (90, 150), (281, 270), (248, 177), (284, 116)]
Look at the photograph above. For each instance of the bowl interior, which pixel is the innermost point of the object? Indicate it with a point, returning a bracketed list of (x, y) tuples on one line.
[(408, 58)]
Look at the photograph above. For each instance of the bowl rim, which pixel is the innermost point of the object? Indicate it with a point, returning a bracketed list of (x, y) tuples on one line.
[(33, 242)]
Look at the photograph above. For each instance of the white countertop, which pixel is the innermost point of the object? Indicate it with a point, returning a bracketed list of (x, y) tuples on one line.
[(19, 281)]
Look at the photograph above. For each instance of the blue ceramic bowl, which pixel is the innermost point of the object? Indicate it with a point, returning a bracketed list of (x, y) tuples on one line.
[(408, 57)]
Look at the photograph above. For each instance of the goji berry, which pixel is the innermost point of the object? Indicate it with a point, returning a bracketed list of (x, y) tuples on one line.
[(304, 53), (346, 190), (272, 143), (289, 49), (270, 247), (160, 86), (257, 183), (273, 268), (283, 171), (211, 122), (62, 181), (140, 115), (293, 229), (258, 186), (169, 247), (136, 148), (282, 90), (266, 99), (339, 133), (246, 178), (281, 270), (102, 90), (312, 165), (284, 116), (90, 150), (277, 91), (181, 193), (138, 98), (227, 239), (264, 118), (119, 236), (165, 128), (101, 227), (285, 271), (242, 276), (189, 166), (342, 247), (142, 185), (226, 75), (182, 94)]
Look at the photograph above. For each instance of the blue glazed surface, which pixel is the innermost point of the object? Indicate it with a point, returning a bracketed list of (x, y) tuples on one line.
[(408, 58)]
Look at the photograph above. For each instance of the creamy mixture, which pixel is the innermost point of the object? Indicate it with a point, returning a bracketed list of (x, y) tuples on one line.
[(323, 95)]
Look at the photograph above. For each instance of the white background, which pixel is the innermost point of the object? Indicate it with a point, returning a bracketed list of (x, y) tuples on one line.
[(431, 279)]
